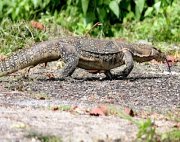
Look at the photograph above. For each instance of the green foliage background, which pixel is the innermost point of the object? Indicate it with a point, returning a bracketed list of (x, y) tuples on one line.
[(157, 20)]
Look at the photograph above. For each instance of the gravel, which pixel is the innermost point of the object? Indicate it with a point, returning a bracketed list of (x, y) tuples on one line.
[(148, 88)]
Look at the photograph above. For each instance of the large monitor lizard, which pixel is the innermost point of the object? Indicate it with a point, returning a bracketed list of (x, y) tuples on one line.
[(100, 55)]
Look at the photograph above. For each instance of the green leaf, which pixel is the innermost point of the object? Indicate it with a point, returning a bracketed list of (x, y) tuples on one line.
[(106, 2), (157, 6), (148, 11), (90, 17), (85, 4), (1, 8), (118, 1), (100, 2), (139, 8), (114, 7), (102, 14), (35, 3)]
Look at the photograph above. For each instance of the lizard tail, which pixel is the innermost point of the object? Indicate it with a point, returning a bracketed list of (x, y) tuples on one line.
[(40, 53)]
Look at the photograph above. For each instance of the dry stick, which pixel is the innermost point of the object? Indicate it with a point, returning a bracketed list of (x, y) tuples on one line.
[(95, 25)]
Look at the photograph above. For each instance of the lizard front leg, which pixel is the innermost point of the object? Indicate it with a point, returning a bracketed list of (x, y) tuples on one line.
[(70, 57), (129, 64)]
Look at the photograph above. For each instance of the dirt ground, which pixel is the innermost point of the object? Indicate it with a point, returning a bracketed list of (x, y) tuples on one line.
[(25, 104)]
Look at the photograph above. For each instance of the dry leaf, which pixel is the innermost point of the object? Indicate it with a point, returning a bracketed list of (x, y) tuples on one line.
[(177, 125), (55, 108), (129, 111), (2, 57), (96, 112), (42, 98), (104, 109), (37, 25), (100, 110)]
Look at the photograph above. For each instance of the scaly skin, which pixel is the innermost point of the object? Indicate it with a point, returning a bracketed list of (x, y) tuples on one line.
[(90, 54)]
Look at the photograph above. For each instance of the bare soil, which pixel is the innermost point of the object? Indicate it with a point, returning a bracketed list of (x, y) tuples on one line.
[(25, 104)]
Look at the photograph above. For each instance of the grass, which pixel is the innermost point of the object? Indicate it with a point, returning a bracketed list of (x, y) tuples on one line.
[(61, 108), (41, 96), (146, 129), (44, 138), (14, 36), (171, 136), (17, 35)]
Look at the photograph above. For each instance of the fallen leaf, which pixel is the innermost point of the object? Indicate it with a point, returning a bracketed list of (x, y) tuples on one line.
[(129, 111), (177, 125), (100, 110), (42, 98), (55, 108), (37, 25), (2, 57), (104, 109), (96, 112)]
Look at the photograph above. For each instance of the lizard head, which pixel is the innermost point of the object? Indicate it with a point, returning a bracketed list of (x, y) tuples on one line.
[(144, 52)]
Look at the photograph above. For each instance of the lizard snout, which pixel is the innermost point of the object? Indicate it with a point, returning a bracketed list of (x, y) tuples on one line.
[(161, 57), (158, 55)]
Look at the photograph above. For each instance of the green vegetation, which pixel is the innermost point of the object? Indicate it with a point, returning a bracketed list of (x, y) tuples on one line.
[(64, 108), (44, 138), (172, 136), (147, 131), (156, 20), (14, 36)]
